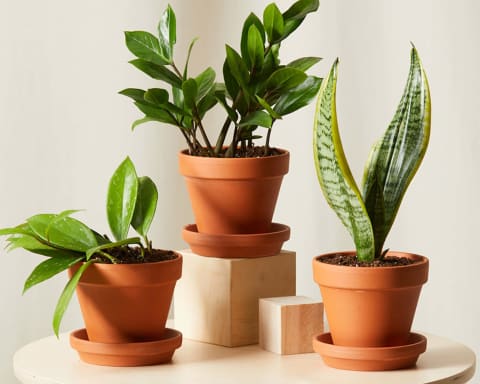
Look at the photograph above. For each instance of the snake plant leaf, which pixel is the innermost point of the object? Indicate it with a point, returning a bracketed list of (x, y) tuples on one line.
[(65, 233), (49, 268), (66, 296), (145, 46), (157, 72), (395, 159), (334, 175), (167, 33), (121, 198), (147, 198)]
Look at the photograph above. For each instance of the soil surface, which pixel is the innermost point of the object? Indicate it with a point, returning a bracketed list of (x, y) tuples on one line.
[(351, 261), (249, 152), (133, 255)]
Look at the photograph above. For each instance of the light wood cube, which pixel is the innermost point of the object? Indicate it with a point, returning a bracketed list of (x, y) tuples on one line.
[(216, 300), (288, 324)]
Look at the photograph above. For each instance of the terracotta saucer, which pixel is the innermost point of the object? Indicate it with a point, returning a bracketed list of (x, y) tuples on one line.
[(126, 354), (369, 359), (237, 246)]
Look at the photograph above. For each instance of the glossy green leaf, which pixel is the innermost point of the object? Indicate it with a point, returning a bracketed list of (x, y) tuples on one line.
[(334, 175), (238, 70), (145, 206), (66, 296), (121, 198), (22, 229), (154, 113), (260, 118), (34, 245), (145, 46), (290, 26), (273, 23), (143, 120), (156, 96), (284, 79), (255, 48), (268, 108), (395, 159), (205, 82), (231, 84), (298, 97), (190, 92), (167, 33), (134, 93), (221, 98), (67, 233), (49, 268), (252, 19), (207, 103), (187, 61), (157, 72), (300, 9), (304, 63)]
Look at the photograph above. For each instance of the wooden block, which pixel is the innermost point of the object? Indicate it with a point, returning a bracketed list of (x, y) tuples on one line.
[(287, 324), (216, 300)]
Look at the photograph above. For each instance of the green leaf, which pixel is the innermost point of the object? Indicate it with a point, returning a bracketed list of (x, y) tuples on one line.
[(121, 198), (334, 175), (395, 159), (231, 84), (298, 97), (255, 48), (205, 81), (207, 103), (300, 9), (22, 229), (237, 69), (145, 206), (155, 113), (260, 118), (32, 244), (304, 63), (66, 233), (221, 98), (252, 19), (167, 33), (156, 96), (187, 61), (145, 46), (273, 23), (190, 92), (49, 268), (157, 72), (284, 79), (143, 120), (268, 108), (66, 296), (110, 245), (134, 93)]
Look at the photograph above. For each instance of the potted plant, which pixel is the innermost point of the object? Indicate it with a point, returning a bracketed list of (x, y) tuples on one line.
[(370, 294), (124, 286), (233, 183)]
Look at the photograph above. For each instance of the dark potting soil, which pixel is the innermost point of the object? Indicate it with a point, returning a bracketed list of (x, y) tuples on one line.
[(133, 255), (250, 152), (351, 261)]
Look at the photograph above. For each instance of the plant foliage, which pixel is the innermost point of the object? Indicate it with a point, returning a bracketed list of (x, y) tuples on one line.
[(394, 159), (65, 241), (256, 89)]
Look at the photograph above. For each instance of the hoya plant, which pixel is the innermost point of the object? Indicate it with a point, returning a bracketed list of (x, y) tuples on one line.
[(256, 89), (369, 213), (65, 241)]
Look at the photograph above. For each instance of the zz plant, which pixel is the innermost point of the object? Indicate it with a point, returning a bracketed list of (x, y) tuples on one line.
[(65, 241), (256, 89), (394, 159)]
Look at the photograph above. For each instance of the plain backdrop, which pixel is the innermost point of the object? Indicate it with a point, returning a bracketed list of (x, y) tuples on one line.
[(64, 129)]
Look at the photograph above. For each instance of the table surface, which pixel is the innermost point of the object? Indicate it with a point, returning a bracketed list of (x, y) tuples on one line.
[(50, 361)]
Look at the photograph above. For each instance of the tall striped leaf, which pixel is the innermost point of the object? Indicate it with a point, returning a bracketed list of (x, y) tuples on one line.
[(396, 157), (334, 175)]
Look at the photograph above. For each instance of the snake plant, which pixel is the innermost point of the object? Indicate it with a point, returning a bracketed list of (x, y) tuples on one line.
[(368, 214)]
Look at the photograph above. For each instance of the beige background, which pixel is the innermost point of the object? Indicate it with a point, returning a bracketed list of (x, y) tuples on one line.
[(63, 130)]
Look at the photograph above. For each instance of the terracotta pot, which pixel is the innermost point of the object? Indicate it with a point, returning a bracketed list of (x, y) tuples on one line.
[(233, 195), (125, 303), (370, 307)]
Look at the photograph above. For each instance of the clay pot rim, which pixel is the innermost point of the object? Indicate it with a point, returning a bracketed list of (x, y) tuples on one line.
[(283, 153)]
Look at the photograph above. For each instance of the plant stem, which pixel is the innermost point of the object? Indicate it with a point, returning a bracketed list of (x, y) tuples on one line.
[(267, 141), (226, 126), (202, 131), (112, 259), (176, 70)]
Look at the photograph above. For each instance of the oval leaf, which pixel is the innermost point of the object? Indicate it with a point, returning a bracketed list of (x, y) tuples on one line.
[(304, 63), (121, 198), (237, 69), (260, 118), (284, 79), (334, 175), (167, 33), (145, 206), (157, 72), (273, 23), (252, 19), (298, 97), (156, 96), (205, 81), (255, 48), (190, 92), (145, 46)]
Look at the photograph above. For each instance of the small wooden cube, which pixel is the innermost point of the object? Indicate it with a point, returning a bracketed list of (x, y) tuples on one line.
[(216, 300), (288, 324)]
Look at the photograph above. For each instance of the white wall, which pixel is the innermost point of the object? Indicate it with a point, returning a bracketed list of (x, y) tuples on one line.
[(63, 130)]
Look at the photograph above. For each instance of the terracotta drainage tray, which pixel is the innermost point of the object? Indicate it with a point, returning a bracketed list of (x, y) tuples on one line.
[(126, 354), (370, 359), (237, 245)]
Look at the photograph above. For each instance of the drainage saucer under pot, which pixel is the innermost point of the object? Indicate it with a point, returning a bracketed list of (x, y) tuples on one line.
[(126, 354), (369, 358), (237, 245)]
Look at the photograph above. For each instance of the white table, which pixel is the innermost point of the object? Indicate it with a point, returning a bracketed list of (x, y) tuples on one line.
[(49, 361)]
